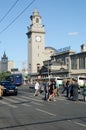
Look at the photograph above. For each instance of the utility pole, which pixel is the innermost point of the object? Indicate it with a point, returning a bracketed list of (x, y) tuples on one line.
[(48, 68), (48, 71)]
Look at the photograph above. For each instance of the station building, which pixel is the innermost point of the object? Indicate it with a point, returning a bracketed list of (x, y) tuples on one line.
[(67, 63), (47, 61)]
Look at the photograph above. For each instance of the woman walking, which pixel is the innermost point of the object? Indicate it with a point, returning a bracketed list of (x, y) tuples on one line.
[(52, 92)]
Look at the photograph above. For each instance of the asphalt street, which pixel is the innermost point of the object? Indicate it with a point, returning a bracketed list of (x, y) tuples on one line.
[(27, 112)]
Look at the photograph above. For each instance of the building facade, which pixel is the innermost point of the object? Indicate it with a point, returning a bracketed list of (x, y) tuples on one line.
[(36, 42), (66, 63), (10, 65), (47, 61), (37, 52), (5, 64)]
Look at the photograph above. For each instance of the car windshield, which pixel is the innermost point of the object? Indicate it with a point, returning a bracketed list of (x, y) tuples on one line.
[(6, 83)]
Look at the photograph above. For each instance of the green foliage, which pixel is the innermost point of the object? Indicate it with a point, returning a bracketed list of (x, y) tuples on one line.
[(3, 75)]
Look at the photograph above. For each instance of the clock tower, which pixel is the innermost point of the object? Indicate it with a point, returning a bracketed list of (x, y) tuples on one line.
[(36, 47), (4, 63)]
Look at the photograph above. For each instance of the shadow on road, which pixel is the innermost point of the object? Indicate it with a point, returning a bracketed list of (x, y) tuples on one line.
[(44, 122)]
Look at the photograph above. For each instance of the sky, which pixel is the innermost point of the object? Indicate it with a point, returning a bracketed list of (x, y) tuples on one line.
[(64, 21)]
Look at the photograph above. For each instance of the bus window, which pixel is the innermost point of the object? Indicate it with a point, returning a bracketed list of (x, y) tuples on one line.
[(15, 79)]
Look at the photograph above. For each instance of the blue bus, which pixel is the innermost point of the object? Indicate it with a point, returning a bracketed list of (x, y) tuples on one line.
[(16, 79)]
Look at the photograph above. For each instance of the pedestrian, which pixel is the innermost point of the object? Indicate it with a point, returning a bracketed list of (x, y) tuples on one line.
[(64, 85), (46, 85), (52, 92), (57, 87), (70, 94), (68, 88), (84, 91), (75, 86), (1, 91), (37, 88)]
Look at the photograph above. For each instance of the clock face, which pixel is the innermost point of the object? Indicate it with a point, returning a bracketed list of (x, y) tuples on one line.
[(38, 38)]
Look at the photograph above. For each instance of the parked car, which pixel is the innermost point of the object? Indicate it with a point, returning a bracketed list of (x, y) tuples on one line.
[(9, 88)]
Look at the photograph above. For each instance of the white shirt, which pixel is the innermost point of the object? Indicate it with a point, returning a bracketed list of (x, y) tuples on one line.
[(37, 85)]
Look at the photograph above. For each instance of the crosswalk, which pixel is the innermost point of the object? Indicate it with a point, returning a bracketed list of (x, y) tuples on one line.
[(8, 104), (24, 100)]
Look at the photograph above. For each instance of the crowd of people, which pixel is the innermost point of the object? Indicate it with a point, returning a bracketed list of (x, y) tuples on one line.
[(72, 89), (51, 89)]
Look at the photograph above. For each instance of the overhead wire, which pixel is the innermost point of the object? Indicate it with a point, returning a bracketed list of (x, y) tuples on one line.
[(9, 11), (17, 17)]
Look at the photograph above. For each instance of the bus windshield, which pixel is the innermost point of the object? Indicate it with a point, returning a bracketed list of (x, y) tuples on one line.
[(15, 79)]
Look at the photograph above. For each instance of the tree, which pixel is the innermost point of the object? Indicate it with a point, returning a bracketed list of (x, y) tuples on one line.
[(3, 75)]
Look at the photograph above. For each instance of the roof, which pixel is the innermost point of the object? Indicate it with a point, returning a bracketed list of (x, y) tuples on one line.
[(50, 48)]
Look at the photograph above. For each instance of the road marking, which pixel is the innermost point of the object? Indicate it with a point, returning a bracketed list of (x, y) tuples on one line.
[(32, 99), (10, 105), (11, 100), (51, 114), (20, 99), (26, 105), (24, 99), (37, 103), (80, 124)]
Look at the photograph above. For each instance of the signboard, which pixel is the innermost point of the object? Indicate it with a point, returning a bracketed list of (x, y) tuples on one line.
[(64, 49)]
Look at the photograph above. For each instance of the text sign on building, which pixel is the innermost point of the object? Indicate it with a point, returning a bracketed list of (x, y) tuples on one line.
[(64, 49)]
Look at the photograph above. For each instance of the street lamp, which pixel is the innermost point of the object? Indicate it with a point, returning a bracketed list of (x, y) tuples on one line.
[(49, 71)]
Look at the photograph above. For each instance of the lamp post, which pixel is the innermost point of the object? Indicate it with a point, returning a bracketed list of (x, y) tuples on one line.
[(48, 71)]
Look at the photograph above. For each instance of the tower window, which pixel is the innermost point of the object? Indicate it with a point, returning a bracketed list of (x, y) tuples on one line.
[(37, 20)]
